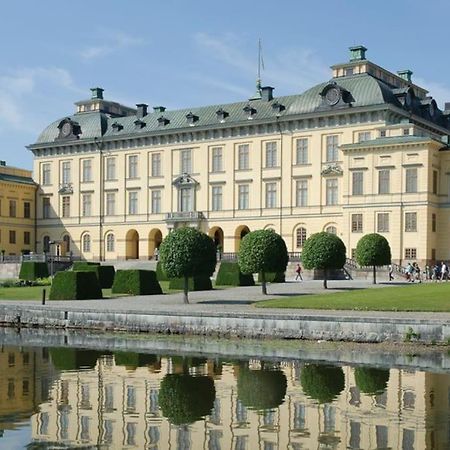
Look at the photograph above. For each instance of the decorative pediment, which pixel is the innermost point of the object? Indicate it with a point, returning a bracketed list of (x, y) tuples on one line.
[(332, 170), (335, 96), (184, 180)]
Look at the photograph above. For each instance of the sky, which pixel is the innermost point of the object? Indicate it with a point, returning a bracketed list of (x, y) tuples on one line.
[(183, 54)]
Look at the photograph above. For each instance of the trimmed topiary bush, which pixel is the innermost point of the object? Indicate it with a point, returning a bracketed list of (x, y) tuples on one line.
[(230, 275), (78, 264), (261, 389), (105, 274), (32, 270), (75, 286), (371, 380), (273, 277), (322, 383), (73, 359), (136, 282), (194, 284), (160, 274), (133, 360), (184, 399)]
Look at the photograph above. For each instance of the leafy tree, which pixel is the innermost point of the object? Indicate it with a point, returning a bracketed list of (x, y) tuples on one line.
[(184, 398), (322, 383), (323, 251), (371, 380), (263, 251), (187, 252), (373, 250)]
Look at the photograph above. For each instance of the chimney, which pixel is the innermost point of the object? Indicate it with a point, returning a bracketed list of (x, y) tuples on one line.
[(141, 110), (357, 53), (97, 93), (267, 93), (405, 74), (159, 109)]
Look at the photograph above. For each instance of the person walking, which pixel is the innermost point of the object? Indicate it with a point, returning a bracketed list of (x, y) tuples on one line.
[(298, 271), (444, 271), (391, 272)]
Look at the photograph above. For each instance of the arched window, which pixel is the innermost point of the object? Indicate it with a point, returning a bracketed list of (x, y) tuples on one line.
[(331, 229), (110, 242), (300, 237), (46, 244), (66, 240), (86, 243)]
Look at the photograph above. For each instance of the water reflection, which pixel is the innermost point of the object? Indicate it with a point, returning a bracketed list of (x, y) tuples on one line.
[(127, 400)]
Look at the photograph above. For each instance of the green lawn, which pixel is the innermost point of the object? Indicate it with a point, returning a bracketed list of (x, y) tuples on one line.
[(423, 297)]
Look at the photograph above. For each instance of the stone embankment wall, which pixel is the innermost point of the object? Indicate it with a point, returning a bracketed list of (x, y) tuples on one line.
[(9, 270)]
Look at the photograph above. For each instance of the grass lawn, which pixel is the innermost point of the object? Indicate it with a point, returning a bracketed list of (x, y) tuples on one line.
[(423, 297)]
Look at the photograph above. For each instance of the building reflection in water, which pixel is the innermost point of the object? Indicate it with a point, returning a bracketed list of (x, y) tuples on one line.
[(128, 400)]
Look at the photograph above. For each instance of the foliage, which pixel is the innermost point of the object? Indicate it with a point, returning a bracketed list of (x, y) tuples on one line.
[(322, 383), (75, 286), (133, 360), (261, 389), (323, 251), (31, 270), (200, 283), (184, 399), (9, 283), (105, 274), (160, 274), (373, 250), (77, 264), (136, 282), (230, 275), (273, 277), (371, 380), (73, 359)]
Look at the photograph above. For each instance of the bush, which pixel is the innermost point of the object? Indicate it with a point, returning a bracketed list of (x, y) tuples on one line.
[(136, 282), (371, 380), (105, 274), (230, 275), (73, 359), (75, 286), (200, 283), (133, 360), (322, 383), (77, 264), (273, 277), (31, 270), (160, 274)]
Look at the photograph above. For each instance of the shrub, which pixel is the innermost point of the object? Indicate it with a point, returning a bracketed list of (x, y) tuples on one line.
[(73, 359), (371, 380), (273, 277), (105, 274), (31, 270), (160, 274), (77, 264), (75, 286), (200, 283), (133, 360), (322, 383), (230, 275), (136, 282)]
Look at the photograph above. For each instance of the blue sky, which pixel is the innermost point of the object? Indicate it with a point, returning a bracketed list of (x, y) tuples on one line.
[(180, 54)]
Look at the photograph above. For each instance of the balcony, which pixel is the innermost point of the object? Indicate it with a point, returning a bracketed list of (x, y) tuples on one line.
[(65, 188), (184, 216)]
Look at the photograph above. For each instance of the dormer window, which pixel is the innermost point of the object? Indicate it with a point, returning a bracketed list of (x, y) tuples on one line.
[(250, 111), (222, 114), (191, 118), (278, 107), (116, 126), (68, 129), (163, 121), (139, 123)]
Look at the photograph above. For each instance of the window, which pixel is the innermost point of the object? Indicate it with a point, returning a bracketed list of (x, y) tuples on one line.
[(411, 180), (66, 206), (65, 178), (86, 205), (433, 223), (46, 174), (357, 183), (216, 198), (111, 168), (12, 208), (300, 237), (271, 195), (66, 240), (331, 229), (45, 207), (384, 177), (132, 166), (132, 202), (156, 201), (302, 151), (186, 161), (382, 222), (110, 242), (156, 164), (243, 157), (110, 203), (26, 237), (12, 237), (271, 154), (86, 244), (410, 221), (186, 203), (26, 210), (383, 133), (410, 253), (405, 131), (332, 191), (357, 223), (332, 148), (435, 181), (364, 136), (301, 193), (46, 244), (243, 191), (87, 170), (216, 159)]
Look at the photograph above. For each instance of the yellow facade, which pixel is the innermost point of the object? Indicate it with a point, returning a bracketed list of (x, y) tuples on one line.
[(359, 154), (17, 211)]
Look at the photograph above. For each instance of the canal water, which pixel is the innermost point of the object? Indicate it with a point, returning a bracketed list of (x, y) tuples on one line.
[(64, 397)]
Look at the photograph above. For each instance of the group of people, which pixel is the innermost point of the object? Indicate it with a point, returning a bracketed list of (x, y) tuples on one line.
[(438, 272)]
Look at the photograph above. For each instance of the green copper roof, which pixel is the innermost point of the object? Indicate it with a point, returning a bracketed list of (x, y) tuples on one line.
[(16, 179), (394, 140)]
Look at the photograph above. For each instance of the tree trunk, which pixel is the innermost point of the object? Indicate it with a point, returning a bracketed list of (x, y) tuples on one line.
[(325, 286), (263, 283), (374, 275), (186, 290)]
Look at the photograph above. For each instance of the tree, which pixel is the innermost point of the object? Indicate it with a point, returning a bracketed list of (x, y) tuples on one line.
[(323, 251), (373, 250), (322, 383), (371, 380), (187, 252), (263, 251)]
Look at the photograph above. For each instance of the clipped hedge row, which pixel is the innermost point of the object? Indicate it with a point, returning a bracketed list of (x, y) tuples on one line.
[(32, 270), (75, 286), (273, 277), (230, 275), (160, 274), (195, 283), (136, 282), (105, 274), (77, 264)]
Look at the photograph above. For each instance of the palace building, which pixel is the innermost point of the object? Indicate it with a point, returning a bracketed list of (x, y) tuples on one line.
[(366, 151)]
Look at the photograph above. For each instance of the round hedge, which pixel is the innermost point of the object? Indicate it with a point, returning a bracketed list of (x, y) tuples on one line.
[(322, 383), (323, 251), (371, 380), (184, 399), (373, 250), (261, 389)]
